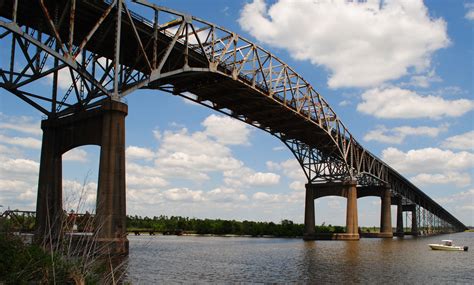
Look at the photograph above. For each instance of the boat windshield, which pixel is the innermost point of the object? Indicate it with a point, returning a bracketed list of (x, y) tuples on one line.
[(448, 242)]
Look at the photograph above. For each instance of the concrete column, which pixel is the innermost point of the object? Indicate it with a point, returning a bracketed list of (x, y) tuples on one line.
[(414, 223), (49, 211), (309, 222), (386, 214), (352, 227), (111, 205), (105, 127), (400, 231)]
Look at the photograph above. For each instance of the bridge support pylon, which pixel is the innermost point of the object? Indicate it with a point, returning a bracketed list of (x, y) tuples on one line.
[(103, 126), (352, 222), (414, 221), (400, 232), (344, 189), (309, 221), (386, 214)]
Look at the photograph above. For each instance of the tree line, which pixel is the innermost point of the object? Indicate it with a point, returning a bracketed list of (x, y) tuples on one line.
[(165, 224), (172, 224)]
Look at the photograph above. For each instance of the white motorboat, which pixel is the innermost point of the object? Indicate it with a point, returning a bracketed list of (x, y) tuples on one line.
[(447, 245)]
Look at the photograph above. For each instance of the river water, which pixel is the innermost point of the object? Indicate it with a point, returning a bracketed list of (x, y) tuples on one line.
[(192, 259)]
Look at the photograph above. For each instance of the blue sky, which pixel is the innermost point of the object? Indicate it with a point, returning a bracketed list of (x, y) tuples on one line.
[(399, 74)]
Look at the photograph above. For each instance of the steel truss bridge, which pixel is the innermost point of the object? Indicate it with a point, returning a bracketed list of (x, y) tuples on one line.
[(104, 51)]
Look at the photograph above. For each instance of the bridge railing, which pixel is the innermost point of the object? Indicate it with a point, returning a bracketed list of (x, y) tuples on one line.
[(212, 48)]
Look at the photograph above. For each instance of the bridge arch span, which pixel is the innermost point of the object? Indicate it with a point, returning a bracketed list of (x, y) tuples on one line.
[(188, 55), (109, 51)]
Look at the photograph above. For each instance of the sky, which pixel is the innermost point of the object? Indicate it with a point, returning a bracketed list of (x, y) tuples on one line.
[(399, 74)]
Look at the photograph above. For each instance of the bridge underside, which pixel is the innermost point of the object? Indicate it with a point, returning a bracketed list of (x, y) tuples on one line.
[(237, 100), (109, 52)]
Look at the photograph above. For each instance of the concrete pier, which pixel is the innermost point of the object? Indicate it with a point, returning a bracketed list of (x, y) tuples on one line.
[(49, 210), (386, 214), (111, 203), (103, 126), (400, 232), (414, 221), (344, 189), (309, 219), (352, 222)]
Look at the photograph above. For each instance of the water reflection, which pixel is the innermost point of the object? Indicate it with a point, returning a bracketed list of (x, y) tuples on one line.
[(257, 260)]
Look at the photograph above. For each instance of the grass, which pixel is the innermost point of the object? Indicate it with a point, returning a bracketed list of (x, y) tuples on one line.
[(59, 258)]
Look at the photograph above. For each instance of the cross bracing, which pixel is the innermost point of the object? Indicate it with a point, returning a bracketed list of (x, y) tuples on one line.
[(103, 50)]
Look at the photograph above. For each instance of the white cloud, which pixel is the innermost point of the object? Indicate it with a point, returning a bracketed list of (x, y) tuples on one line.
[(13, 185), (226, 195), (10, 152), (21, 124), (345, 103), (278, 148), (397, 103), (292, 169), (273, 166), (199, 162), (244, 177), (191, 143), (297, 186), (18, 182), (463, 141), (145, 181), (449, 91), (76, 154), (135, 152), (397, 135), (142, 176), (459, 179), (26, 142), (18, 194), (461, 205), (470, 11), (226, 130), (183, 195), (157, 134), (79, 197), (334, 203), (268, 198), (10, 168), (193, 155), (424, 80), (466, 196), (64, 75), (362, 43), (428, 160)]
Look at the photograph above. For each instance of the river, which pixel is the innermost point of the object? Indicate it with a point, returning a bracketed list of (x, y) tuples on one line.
[(192, 259)]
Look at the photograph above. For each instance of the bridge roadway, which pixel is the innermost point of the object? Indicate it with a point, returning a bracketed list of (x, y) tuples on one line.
[(110, 51)]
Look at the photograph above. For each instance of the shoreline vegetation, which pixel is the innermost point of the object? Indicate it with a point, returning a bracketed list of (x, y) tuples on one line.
[(176, 225), (60, 258)]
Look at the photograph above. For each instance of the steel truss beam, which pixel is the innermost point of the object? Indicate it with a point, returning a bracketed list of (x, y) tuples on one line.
[(91, 50)]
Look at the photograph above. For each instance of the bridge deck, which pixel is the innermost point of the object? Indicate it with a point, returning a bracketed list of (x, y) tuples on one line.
[(314, 125)]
